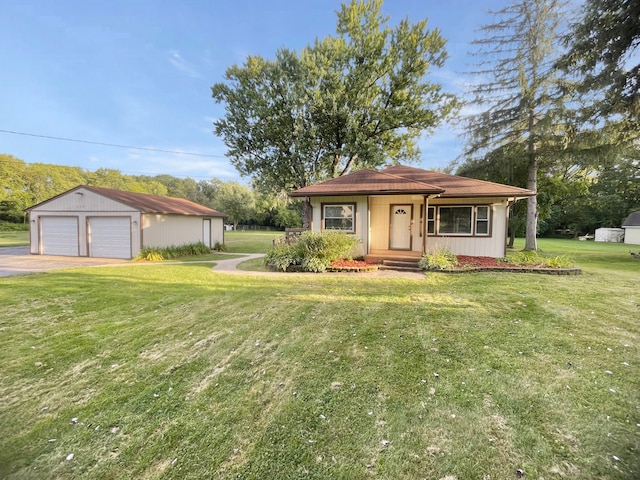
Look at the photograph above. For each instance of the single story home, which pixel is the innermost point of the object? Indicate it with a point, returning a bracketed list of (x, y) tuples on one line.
[(103, 222), (406, 211), (632, 228)]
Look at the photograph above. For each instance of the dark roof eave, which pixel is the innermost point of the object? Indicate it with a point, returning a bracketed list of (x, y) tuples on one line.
[(206, 215), (365, 192), (517, 196)]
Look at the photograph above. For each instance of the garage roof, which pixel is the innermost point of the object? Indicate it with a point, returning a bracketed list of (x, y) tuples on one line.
[(147, 203), (633, 220)]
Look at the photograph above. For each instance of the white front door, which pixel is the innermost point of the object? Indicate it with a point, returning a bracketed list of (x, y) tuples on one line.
[(400, 235)]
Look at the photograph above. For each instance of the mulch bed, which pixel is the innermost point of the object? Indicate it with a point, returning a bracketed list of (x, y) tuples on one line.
[(352, 266), (468, 263)]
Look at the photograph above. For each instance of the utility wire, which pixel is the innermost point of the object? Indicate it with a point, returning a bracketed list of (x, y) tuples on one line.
[(111, 144)]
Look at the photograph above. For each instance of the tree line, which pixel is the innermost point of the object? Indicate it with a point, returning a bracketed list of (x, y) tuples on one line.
[(26, 184)]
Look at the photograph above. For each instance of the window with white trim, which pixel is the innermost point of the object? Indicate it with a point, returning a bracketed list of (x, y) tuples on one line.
[(462, 220), (339, 217), (482, 220), (431, 220)]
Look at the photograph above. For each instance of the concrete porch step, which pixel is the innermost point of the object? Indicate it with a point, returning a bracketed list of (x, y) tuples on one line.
[(396, 262)]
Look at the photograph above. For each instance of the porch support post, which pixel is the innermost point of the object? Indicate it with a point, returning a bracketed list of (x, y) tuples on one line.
[(425, 215)]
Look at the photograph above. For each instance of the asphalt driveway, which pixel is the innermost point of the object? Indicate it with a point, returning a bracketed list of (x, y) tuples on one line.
[(18, 261)]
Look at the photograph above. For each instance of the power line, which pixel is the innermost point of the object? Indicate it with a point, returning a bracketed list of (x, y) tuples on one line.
[(111, 144)]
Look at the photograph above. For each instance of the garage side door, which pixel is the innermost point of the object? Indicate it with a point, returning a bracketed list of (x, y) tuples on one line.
[(109, 237), (59, 236)]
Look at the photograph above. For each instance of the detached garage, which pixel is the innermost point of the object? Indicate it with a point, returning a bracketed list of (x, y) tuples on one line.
[(102, 222)]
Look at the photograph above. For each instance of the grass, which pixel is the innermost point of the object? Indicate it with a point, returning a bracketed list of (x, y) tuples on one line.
[(14, 239), (250, 241), (174, 371)]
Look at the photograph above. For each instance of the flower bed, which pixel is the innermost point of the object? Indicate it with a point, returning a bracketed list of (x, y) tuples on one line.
[(467, 263), (351, 266)]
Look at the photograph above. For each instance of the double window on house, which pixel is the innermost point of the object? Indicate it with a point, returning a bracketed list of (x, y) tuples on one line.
[(464, 220)]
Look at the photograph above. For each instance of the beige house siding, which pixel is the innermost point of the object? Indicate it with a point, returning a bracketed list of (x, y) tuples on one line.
[(381, 217), (217, 231), (159, 230), (632, 235), (360, 222), (480, 246)]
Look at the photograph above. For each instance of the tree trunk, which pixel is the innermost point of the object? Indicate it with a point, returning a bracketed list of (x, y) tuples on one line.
[(531, 229), (531, 242), (512, 237)]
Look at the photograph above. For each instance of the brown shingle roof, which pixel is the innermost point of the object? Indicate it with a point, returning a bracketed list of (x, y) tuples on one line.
[(367, 181), (400, 179), (147, 203), (455, 186)]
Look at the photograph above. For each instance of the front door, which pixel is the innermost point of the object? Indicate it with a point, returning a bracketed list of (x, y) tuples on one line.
[(400, 234)]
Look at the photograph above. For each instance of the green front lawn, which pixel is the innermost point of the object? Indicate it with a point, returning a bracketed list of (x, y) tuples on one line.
[(251, 241), (14, 239), (175, 371)]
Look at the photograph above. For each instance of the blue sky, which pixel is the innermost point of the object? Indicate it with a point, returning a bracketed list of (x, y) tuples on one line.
[(139, 72)]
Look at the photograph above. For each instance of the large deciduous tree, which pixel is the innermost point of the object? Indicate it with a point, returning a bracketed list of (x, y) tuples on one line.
[(235, 200), (358, 99), (515, 94)]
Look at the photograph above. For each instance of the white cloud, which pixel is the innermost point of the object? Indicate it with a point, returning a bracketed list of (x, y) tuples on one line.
[(182, 65)]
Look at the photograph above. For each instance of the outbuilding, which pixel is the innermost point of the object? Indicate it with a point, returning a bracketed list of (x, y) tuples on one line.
[(611, 235), (632, 229), (102, 222)]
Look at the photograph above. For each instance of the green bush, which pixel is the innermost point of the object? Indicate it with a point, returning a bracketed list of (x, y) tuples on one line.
[(13, 227), (151, 254), (558, 262), (438, 260), (524, 257), (533, 258), (220, 247), (157, 254), (313, 252), (281, 256)]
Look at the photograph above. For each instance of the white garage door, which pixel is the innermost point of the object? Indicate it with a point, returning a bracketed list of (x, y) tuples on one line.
[(59, 236), (109, 237)]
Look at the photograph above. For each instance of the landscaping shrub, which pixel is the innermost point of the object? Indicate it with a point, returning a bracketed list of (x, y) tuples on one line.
[(438, 260), (13, 227), (220, 247), (157, 254), (559, 261), (313, 252), (282, 255), (532, 257)]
